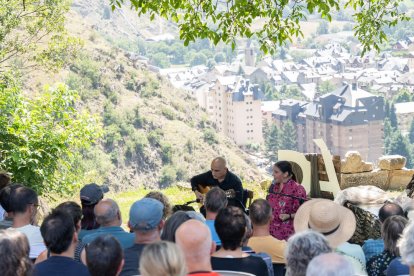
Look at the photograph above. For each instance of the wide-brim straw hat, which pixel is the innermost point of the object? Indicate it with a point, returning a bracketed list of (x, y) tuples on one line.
[(334, 221)]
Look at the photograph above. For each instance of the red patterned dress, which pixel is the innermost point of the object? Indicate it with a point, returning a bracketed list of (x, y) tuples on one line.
[(281, 204)]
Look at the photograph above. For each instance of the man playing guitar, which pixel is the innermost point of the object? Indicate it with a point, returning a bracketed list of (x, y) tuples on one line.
[(219, 176)]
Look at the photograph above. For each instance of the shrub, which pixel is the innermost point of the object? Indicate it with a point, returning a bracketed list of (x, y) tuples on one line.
[(168, 176), (209, 136)]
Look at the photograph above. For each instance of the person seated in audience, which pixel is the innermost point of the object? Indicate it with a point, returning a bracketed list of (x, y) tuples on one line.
[(167, 211), (14, 252), (24, 204), (5, 195), (330, 264), (145, 219), (247, 249), (194, 239), (261, 216), (171, 225), (215, 200), (301, 248), (162, 258), (75, 211), (373, 247), (58, 232), (108, 216), (4, 182), (405, 264), (104, 256), (90, 195), (336, 223), (391, 230), (230, 225)]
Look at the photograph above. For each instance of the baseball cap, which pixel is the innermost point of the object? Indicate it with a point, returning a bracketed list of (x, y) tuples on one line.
[(145, 214), (91, 193)]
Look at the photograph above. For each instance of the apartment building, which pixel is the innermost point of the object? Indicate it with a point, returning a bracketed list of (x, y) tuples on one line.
[(234, 104), (347, 119)]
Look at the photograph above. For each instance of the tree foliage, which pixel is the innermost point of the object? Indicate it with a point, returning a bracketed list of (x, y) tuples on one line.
[(41, 138), (32, 33), (226, 20)]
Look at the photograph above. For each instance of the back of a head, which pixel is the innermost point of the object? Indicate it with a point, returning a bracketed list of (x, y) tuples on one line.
[(73, 209), (21, 197), (107, 212), (104, 256), (330, 264), (164, 200), (215, 200), (389, 209), (57, 231), (406, 244), (162, 259), (14, 252), (5, 196), (230, 225), (172, 224), (260, 212), (194, 239), (391, 230), (302, 247)]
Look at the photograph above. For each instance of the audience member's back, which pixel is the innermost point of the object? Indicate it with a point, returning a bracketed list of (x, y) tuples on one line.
[(58, 232), (215, 200), (261, 241), (230, 225), (145, 219)]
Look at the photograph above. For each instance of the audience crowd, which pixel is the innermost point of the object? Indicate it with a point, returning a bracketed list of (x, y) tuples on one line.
[(88, 238)]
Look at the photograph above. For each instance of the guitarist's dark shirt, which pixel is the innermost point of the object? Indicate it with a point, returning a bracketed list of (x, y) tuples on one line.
[(231, 181)]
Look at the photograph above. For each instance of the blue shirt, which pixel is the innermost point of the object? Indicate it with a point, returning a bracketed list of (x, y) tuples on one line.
[(372, 248), (84, 232), (125, 239), (214, 236), (397, 268), (62, 266)]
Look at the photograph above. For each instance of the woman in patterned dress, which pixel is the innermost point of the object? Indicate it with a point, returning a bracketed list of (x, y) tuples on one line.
[(285, 196)]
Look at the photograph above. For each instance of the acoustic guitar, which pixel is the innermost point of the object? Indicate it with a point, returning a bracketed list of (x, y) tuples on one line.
[(203, 189)]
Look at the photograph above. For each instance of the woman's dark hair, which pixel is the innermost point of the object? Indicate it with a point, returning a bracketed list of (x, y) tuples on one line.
[(285, 166), (88, 221), (73, 209), (230, 225), (14, 251), (391, 231), (172, 224)]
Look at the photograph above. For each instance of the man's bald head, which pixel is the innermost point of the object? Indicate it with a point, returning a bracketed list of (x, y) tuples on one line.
[(194, 238), (107, 213), (219, 168)]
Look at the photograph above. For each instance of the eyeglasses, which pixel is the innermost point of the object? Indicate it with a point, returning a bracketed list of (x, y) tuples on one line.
[(34, 204)]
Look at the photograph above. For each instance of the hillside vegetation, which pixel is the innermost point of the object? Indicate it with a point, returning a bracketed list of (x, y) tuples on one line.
[(154, 135)]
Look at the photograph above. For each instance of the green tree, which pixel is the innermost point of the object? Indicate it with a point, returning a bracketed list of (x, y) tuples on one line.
[(219, 57), (325, 87), (272, 142), (41, 138), (399, 145), (32, 34), (411, 134), (228, 20), (288, 136), (388, 132), (323, 28), (393, 117), (161, 60), (198, 59), (403, 96)]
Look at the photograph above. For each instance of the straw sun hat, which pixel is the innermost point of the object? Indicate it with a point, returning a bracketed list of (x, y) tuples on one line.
[(334, 221)]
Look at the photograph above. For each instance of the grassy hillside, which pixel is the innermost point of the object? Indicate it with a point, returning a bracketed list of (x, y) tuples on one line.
[(155, 136)]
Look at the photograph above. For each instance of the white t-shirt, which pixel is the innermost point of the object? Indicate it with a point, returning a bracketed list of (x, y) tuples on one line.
[(35, 239)]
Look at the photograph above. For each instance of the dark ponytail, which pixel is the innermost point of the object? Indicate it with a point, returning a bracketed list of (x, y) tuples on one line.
[(286, 166)]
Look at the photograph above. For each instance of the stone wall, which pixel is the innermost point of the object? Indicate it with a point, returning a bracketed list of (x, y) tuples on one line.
[(390, 174)]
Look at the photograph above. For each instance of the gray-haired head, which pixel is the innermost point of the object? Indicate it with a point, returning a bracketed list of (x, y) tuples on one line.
[(215, 200), (301, 248), (406, 245), (107, 213), (330, 264)]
